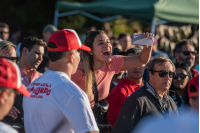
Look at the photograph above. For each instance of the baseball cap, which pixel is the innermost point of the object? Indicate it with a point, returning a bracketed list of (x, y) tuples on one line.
[(50, 28), (10, 76), (193, 87), (66, 40)]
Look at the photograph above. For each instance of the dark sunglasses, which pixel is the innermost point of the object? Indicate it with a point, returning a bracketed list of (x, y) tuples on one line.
[(14, 59), (181, 75), (164, 73), (186, 53)]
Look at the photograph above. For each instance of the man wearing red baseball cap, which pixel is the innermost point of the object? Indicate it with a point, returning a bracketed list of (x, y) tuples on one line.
[(57, 104), (10, 84)]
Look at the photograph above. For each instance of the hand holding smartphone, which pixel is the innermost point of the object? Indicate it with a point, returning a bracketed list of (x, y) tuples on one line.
[(140, 39)]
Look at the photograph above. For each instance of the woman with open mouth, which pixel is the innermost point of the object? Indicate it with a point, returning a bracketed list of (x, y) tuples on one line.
[(100, 62)]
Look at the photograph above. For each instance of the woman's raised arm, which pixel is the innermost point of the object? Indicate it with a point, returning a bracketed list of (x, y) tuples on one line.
[(131, 62)]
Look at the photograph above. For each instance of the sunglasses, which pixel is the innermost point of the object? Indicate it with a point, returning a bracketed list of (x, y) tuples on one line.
[(14, 59), (164, 73), (186, 53), (181, 75)]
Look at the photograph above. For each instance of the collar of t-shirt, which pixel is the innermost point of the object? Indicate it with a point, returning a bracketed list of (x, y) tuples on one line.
[(165, 97), (57, 72)]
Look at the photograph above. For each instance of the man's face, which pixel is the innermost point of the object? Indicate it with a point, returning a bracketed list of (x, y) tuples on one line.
[(125, 42), (35, 56), (7, 100), (161, 83), (188, 59), (4, 33), (136, 73)]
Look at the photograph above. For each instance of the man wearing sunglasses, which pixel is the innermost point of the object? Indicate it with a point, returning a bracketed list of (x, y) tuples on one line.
[(32, 50), (8, 50), (151, 99), (184, 52)]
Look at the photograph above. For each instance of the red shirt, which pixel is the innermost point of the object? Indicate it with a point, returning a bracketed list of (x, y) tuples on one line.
[(118, 96)]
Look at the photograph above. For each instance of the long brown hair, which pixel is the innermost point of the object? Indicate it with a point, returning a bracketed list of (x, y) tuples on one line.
[(88, 61)]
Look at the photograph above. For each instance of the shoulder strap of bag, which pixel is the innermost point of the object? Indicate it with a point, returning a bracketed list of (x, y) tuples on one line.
[(95, 89)]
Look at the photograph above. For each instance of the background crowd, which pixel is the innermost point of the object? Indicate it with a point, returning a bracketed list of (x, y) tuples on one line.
[(135, 81)]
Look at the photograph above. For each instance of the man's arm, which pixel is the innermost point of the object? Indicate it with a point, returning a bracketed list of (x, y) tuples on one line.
[(128, 117)]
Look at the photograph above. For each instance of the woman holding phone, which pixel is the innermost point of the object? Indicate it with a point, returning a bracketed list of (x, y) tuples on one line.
[(101, 62)]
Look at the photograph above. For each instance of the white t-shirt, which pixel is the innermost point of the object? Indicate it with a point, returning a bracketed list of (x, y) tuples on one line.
[(57, 105), (4, 128)]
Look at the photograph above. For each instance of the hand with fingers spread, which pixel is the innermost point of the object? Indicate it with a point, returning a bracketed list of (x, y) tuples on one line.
[(13, 113)]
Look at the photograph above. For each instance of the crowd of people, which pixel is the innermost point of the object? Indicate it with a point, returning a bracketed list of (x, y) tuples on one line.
[(71, 86)]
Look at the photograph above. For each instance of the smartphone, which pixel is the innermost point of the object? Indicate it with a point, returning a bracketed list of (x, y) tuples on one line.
[(140, 39)]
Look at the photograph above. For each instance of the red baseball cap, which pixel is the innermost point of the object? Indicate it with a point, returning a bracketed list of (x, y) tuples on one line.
[(10, 76), (193, 87), (66, 40)]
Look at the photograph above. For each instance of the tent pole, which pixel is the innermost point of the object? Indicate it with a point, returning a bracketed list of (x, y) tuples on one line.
[(56, 18), (153, 26)]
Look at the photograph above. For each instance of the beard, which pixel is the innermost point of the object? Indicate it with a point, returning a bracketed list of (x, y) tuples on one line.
[(187, 61)]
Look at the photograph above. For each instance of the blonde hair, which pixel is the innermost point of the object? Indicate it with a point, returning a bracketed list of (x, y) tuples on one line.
[(88, 60), (4, 45)]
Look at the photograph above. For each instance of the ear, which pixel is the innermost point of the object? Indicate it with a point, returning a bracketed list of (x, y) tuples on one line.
[(176, 55), (150, 75), (3, 96), (71, 57)]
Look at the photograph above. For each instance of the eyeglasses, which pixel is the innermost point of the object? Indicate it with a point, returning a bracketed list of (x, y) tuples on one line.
[(14, 59), (181, 75), (164, 73), (186, 53)]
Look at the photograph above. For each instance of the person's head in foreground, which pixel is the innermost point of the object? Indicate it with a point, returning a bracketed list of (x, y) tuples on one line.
[(10, 84), (64, 48), (32, 51), (184, 52), (161, 71), (193, 92), (181, 79), (8, 50)]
